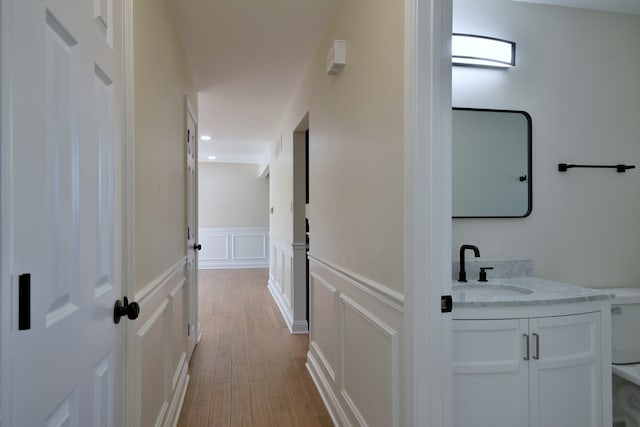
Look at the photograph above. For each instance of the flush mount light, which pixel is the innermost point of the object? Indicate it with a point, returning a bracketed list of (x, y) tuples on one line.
[(205, 137), (211, 157), (482, 51)]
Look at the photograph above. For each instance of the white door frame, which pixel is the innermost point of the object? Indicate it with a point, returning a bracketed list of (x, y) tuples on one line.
[(427, 217), (128, 415), (129, 151)]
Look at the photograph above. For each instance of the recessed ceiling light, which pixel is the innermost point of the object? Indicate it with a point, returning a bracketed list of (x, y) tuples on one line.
[(205, 137), (211, 157)]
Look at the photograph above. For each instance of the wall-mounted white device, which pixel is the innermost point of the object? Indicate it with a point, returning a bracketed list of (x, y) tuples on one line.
[(336, 57)]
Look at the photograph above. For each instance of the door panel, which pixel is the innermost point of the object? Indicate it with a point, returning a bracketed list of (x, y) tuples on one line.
[(61, 174), (65, 145), (192, 227)]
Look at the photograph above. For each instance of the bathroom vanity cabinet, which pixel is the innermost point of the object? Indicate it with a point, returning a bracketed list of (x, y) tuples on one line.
[(528, 372), (531, 364)]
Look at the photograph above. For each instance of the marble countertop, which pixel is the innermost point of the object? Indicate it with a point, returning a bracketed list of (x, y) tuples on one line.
[(542, 292)]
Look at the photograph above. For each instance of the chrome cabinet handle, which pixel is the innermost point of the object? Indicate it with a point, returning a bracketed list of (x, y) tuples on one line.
[(526, 340), (537, 355)]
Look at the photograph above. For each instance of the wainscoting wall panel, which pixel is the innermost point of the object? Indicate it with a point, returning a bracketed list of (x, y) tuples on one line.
[(355, 352), (287, 282), (158, 339), (325, 324), (233, 247)]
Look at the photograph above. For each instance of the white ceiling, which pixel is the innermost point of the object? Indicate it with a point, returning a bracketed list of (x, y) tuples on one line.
[(620, 6), (247, 58)]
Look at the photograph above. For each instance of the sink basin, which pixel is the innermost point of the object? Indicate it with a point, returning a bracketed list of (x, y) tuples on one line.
[(489, 290)]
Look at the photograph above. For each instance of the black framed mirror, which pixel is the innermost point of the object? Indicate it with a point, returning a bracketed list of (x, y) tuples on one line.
[(491, 163)]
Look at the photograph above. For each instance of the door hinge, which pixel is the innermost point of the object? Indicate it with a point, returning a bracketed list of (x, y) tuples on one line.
[(446, 303), (188, 330)]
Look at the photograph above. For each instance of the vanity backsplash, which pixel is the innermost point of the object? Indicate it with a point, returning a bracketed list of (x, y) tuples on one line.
[(502, 269)]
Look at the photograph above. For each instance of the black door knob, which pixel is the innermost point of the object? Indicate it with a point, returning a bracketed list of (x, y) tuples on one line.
[(197, 246), (125, 308)]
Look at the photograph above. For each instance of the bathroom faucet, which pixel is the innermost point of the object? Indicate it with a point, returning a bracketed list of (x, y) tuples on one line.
[(462, 275)]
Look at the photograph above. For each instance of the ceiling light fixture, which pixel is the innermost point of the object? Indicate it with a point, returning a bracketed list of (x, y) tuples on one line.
[(211, 157), (205, 138), (482, 51)]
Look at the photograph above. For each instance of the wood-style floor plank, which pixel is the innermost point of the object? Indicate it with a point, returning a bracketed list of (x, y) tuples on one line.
[(221, 410), (248, 370)]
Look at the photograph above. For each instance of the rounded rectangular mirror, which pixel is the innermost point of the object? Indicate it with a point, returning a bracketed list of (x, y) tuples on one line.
[(491, 163)]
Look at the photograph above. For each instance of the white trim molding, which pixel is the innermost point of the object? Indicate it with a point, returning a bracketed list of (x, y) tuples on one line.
[(128, 226), (355, 346), (233, 247), (288, 282), (384, 294), (427, 212)]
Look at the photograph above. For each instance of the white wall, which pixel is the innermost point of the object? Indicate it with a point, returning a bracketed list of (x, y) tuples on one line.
[(233, 216), (232, 195), (161, 81), (576, 74), (356, 122), (356, 153), (157, 340)]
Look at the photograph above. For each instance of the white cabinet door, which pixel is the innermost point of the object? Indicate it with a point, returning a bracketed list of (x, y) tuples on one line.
[(565, 380), (541, 372), (490, 383)]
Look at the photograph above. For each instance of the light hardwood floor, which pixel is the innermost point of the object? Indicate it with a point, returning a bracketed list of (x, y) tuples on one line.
[(247, 370)]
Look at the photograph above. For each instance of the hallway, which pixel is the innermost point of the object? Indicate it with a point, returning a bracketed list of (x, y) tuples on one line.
[(247, 370)]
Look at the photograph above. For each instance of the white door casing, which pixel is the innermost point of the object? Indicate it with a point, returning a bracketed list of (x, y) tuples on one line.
[(191, 133), (62, 216), (427, 212)]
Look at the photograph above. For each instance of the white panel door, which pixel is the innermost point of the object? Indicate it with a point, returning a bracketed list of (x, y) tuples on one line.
[(193, 246), (63, 209), (566, 371)]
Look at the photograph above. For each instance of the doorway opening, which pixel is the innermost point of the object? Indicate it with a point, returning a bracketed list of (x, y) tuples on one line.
[(301, 211)]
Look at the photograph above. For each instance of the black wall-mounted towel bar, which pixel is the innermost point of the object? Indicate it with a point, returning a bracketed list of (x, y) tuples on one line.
[(562, 167)]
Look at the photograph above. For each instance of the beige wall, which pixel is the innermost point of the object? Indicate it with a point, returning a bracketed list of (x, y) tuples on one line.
[(161, 82), (356, 145), (576, 74), (232, 195)]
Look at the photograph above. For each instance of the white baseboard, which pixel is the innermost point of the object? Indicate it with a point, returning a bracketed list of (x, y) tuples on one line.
[(233, 247), (295, 327), (299, 327), (178, 398), (214, 265), (328, 397)]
